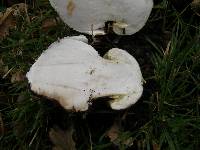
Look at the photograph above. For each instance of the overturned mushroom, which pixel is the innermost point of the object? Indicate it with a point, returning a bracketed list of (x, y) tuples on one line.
[(72, 72), (127, 16)]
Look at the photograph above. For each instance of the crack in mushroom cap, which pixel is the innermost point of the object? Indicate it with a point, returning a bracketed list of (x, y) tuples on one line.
[(129, 16), (72, 72)]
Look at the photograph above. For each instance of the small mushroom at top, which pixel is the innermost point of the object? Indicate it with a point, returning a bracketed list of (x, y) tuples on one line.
[(72, 72), (89, 16)]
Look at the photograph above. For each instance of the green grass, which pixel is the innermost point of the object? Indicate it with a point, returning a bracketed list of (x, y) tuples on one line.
[(167, 117)]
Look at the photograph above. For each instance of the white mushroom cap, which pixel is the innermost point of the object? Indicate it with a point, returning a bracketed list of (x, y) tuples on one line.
[(87, 15), (73, 73)]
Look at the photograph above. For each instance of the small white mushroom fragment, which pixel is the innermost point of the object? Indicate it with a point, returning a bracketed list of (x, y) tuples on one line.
[(128, 16), (72, 73)]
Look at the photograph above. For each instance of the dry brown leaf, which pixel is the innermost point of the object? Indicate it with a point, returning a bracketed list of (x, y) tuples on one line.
[(62, 140), (17, 77), (7, 22), (49, 23), (195, 5), (113, 132), (156, 146), (7, 18), (128, 142)]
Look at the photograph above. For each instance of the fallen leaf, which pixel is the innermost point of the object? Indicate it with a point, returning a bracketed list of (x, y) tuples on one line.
[(62, 140), (195, 5), (8, 18), (17, 77), (128, 142), (156, 146), (49, 23), (117, 137), (113, 132), (7, 22)]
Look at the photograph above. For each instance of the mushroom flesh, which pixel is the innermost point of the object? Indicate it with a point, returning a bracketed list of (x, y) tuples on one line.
[(71, 72), (90, 16)]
